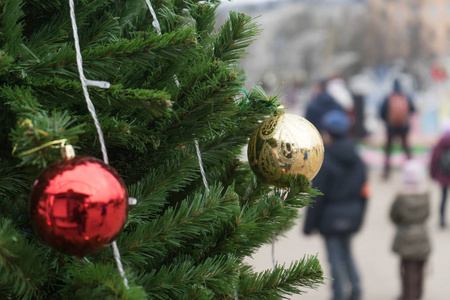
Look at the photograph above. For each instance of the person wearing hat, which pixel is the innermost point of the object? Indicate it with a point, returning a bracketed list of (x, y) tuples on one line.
[(409, 212), (321, 103), (338, 214)]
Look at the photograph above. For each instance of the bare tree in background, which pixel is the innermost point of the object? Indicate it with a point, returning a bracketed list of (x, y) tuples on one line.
[(387, 41), (313, 41)]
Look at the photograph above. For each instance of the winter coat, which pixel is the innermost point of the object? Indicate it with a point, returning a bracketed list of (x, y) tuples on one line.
[(340, 209), (319, 106), (409, 212), (435, 172), (384, 114)]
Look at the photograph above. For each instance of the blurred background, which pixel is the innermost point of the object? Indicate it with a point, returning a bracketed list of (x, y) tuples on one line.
[(367, 43), (363, 45)]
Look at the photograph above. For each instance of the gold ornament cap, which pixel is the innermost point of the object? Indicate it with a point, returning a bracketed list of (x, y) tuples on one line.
[(67, 152)]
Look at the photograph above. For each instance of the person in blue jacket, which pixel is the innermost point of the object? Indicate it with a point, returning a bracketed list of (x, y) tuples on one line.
[(322, 103), (338, 214)]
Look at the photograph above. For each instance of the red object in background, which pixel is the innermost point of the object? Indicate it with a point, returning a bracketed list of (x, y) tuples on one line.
[(79, 206), (438, 72)]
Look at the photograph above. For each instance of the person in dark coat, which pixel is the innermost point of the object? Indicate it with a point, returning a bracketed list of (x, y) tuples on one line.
[(338, 214), (409, 212), (322, 103), (438, 172), (396, 127)]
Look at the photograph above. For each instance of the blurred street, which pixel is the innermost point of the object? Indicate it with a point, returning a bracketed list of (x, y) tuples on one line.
[(378, 265), (368, 44)]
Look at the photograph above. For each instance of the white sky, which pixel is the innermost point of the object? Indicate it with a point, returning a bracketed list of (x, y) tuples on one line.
[(246, 1), (241, 1)]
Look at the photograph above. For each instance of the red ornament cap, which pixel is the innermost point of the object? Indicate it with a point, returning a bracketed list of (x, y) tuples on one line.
[(79, 206)]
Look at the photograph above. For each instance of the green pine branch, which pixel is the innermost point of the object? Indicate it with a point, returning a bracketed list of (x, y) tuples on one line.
[(52, 34), (198, 113), (106, 60), (268, 216), (5, 61), (151, 243), (22, 272), (37, 127), (11, 26), (281, 281), (98, 281), (153, 189), (11, 180), (204, 16), (183, 278), (143, 102), (234, 36)]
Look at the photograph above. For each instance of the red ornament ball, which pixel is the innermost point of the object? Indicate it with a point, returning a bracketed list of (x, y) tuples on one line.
[(79, 206)]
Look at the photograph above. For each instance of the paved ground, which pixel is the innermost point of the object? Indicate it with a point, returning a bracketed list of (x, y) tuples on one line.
[(378, 265)]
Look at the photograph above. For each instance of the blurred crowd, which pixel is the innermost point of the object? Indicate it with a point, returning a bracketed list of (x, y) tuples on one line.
[(338, 214)]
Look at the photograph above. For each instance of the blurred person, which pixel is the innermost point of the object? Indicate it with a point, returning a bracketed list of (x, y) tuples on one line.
[(321, 103), (360, 86), (358, 129), (337, 88), (338, 213), (440, 168), (396, 111), (409, 212)]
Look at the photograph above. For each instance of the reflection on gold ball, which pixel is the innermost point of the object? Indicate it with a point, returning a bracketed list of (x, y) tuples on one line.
[(283, 146)]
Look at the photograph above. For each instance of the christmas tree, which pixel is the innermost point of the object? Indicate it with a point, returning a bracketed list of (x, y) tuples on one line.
[(172, 84)]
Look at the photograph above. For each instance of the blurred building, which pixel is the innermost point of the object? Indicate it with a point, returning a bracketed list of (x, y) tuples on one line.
[(410, 28)]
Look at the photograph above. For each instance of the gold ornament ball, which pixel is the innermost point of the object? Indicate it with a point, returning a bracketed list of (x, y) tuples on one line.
[(284, 146)]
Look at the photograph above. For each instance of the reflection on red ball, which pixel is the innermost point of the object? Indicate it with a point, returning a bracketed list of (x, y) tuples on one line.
[(79, 206)]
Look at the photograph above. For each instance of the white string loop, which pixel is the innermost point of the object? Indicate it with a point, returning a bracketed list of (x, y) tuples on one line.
[(199, 155), (83, 80), (132, 201), (91, 108), (97, 83), (175, 78), (119, 263), (274, 264), (155, 22)]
